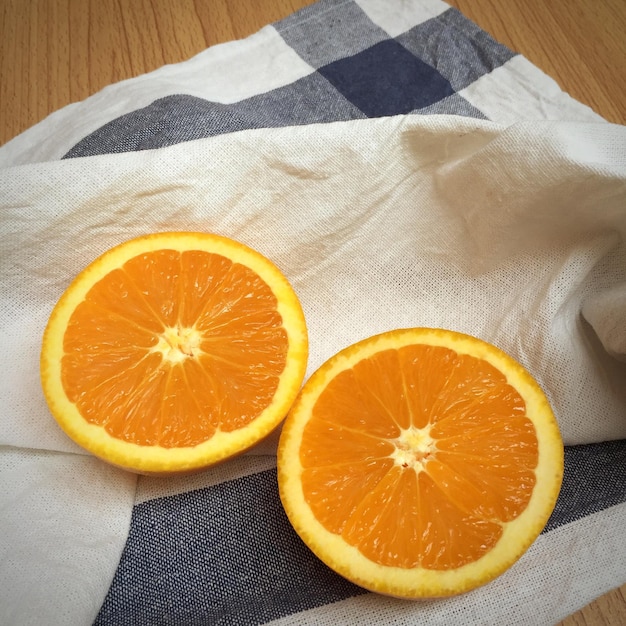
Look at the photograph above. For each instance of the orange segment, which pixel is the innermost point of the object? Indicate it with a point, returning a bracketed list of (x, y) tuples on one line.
[(119, 297), (200, 288), (157, 276), (173, 351), (420, 462)]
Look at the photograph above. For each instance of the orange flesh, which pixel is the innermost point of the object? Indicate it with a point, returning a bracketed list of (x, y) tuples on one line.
[(424, 441), (173, 346)]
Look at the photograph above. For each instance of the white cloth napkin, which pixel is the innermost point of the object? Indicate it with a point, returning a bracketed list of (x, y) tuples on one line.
[(504, 233), (511, 230)]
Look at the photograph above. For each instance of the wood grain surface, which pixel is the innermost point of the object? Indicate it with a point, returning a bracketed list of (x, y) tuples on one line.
[(54, 52)]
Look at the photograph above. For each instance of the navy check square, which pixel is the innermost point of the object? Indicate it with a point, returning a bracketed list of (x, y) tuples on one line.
[(386, 79)]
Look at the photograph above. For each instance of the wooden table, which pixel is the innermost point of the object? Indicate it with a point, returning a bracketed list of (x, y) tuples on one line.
[(53, 52)]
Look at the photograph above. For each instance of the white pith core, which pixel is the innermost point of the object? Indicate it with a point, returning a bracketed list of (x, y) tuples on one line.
[(414, 446), (178, 343)]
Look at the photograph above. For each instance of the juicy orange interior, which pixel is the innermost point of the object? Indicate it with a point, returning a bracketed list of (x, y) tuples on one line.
[(173, 346), (417, 457)]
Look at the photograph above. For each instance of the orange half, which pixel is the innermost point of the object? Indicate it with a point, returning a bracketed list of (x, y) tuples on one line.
[(174, 351), (420, 462)]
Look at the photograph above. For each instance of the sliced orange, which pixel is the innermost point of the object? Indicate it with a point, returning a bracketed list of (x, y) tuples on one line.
[(174, 351), (420, 462)]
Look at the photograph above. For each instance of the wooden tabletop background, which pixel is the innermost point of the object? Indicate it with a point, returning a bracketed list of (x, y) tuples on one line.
[(54, 52)]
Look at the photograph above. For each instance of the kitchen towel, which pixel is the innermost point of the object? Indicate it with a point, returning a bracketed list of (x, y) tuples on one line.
[(403, 169)]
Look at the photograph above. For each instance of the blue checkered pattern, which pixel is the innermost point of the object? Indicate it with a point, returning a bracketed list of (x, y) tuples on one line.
[(359, 72), (226, 554)]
